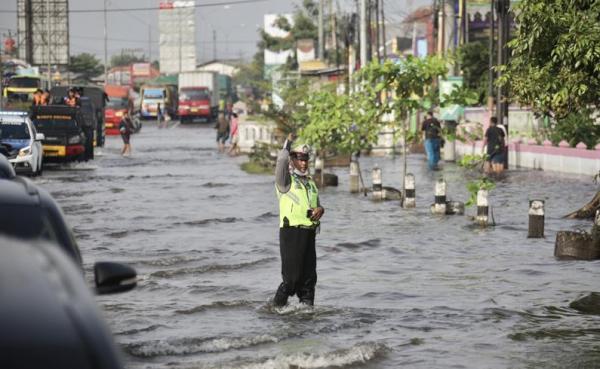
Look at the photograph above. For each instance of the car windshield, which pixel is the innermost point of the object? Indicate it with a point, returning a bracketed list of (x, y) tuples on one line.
[(25, 221), (117, 103), (194, 95), (43, 122), (14, 131), (24, 82), (154, 93)]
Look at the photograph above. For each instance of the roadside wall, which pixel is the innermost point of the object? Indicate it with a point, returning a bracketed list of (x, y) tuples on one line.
[(528, 154), (252, 132)]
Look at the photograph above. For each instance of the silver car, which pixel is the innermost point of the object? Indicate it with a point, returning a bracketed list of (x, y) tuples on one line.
[(20, 142)]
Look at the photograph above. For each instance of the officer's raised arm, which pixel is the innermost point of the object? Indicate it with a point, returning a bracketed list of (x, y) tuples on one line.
[(282, 171)]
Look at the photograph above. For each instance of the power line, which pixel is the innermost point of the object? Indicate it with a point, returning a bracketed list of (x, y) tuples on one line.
[(238, 2)]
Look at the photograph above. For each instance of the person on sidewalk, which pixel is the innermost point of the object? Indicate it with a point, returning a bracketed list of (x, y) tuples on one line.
[(299, 217), (222, 132), (235, 135), (494, 143), (126, 129), (432, 130)]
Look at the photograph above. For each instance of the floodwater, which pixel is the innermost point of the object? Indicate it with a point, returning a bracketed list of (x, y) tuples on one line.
[(397, 288)]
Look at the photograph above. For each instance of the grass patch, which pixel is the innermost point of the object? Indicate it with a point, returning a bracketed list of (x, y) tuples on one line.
[(253, 167)]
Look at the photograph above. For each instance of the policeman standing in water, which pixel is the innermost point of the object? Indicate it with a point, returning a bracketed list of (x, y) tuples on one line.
[(299, 215)]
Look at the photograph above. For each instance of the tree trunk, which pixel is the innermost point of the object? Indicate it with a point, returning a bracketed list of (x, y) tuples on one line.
[(587, 211)]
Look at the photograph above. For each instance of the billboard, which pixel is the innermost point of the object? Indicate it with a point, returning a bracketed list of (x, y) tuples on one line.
[(43, 31), (177, 40), (447, 86), (140, 69)]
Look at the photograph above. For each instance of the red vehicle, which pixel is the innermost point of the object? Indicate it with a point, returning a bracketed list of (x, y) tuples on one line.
[(195, 102), (119, 103)]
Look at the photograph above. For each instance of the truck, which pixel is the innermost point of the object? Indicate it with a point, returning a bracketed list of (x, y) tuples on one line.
[(97, 97), (198, 96), (119, 103), (154, 94)]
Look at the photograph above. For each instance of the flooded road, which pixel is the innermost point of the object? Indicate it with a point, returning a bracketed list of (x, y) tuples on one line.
[(397, 288)]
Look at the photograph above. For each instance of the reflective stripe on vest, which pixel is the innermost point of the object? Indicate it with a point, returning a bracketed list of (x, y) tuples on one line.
[(295, 203)]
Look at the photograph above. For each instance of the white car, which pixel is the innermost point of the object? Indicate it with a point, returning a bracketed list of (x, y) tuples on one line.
[(20, 142)]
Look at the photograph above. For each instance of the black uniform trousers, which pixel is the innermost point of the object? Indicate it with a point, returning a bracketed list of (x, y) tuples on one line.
[(298, 265)]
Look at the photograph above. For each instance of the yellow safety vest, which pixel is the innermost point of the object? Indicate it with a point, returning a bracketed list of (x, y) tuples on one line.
[(295, 203)]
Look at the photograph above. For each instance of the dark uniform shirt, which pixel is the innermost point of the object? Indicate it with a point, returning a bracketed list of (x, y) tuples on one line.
[(432, 128)]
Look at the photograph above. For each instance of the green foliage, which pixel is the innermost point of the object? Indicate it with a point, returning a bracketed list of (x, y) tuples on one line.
[(575, 128), (120, 60), (472, 161), (339, 123), (260, 160), (473, 58), (555, 62), (291, 117), (473, 187), (87, 64)]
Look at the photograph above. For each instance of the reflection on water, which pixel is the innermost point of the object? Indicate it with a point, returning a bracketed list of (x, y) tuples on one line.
[(396, 287)]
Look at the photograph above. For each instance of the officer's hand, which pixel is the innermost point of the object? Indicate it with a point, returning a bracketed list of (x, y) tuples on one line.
[(317, 213)]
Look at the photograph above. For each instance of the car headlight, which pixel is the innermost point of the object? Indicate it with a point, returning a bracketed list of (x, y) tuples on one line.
[(119, 114), (25, 151), (74, 140)]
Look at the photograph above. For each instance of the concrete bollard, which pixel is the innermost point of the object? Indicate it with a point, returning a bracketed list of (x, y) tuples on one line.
[(354, 177), (579, 245), (482, 208), (536, 219), (409, 191), (377, 187), (439, 206)]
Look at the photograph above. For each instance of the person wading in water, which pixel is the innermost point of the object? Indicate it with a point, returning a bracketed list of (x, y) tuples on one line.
[(299, 215)]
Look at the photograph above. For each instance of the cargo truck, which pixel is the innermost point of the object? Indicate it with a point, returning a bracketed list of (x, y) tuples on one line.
[(119, 104), (198, 96)]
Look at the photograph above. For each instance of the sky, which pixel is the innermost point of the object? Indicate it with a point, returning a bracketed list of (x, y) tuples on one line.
[(236, 25)]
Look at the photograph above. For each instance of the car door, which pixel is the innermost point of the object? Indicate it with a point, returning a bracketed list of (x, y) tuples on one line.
[(36, 147)]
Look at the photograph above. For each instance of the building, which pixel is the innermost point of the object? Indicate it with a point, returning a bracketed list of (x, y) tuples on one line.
[(225, 67)]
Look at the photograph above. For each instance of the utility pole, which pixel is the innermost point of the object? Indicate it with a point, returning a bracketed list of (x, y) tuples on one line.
[(334, 39), (179, 29), (363, 32), (105, 47), (383, 30), (48, 34), (377, 28), (491, 61), (503, 29), (149, 43), (321, 35), (441, 27), (214, 45)]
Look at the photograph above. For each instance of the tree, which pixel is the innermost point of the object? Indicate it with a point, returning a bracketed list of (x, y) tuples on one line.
[(473, 58), (125, 59), (555, 62), (86, 64)]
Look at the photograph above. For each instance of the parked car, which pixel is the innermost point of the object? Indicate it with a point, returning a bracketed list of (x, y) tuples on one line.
[(48, 316), (30, 213), (21, 143), (68, 136)]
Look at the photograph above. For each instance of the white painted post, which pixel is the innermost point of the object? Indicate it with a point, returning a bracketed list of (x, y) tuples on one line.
[(439, 206), (536, 219), (482, 208), (354, 177), (409, 191), (377, 186)]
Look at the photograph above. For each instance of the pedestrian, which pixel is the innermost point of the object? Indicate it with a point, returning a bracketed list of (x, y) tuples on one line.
[(159, 116), (126, 128), (300, 212), (496, 149), (432, 131), (38, 97), (235, 135), (222, 132)]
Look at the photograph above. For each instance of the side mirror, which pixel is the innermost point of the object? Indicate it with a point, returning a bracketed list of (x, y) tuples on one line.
[(113, 277), (40, 137)]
